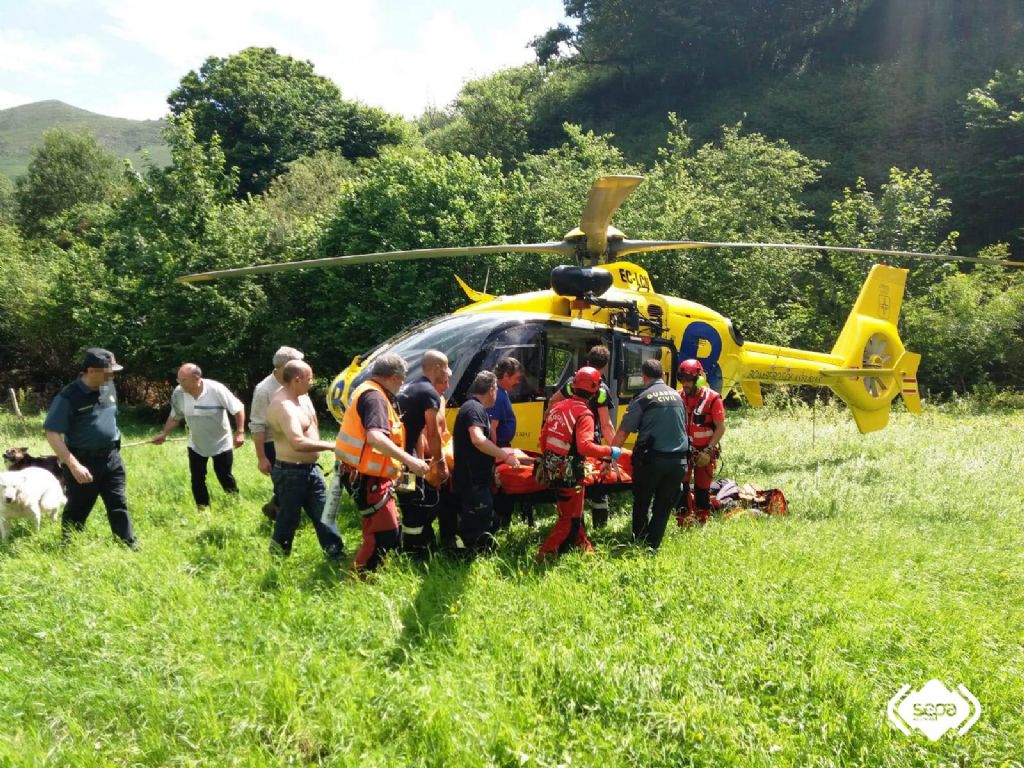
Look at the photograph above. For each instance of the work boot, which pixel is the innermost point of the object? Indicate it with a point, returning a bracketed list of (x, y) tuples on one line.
[(335, 553)]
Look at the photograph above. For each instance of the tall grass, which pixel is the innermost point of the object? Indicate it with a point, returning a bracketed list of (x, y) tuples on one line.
[(746, 643)]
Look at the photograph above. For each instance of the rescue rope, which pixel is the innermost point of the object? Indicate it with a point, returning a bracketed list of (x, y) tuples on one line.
[(137, 443)]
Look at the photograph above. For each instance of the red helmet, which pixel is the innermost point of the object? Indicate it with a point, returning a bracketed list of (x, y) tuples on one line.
[(690, 369), (587, 381)]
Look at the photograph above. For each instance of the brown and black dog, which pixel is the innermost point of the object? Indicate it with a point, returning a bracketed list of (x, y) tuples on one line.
[(19, 458)]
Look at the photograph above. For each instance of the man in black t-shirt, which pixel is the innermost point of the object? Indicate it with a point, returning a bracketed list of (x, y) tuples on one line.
[(419, 403), (475, 454)]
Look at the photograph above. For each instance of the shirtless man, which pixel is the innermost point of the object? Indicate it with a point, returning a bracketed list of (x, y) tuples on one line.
[(297, 478)]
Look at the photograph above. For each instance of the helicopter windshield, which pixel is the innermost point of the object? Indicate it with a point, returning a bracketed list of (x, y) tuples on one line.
[(460, 337)]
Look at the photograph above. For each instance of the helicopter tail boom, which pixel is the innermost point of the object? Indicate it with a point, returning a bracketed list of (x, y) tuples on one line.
[(868, 366)]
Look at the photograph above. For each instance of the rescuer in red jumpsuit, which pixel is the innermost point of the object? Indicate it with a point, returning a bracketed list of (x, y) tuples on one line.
[(566, 439), (705, 425)]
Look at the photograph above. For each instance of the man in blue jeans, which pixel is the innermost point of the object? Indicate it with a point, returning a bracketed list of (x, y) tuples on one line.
[(298, 482)]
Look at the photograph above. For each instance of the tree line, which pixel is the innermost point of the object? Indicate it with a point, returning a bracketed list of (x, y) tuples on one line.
[(270, 163)]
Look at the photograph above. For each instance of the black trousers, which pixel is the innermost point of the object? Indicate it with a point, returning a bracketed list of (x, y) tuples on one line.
[(109, 481), (447, 516), (222, 464), (419, 510), (657, 480), (476, 517), (271, 453), (600, 503)]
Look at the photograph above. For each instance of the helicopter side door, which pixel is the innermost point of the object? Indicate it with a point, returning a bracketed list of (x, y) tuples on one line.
[(550, 352), (526, 343), (630, 353), (565, 349)]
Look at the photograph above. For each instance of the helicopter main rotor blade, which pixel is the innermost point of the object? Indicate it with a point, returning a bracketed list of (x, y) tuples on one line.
[(604, 200), (564, 248), (625, 247)]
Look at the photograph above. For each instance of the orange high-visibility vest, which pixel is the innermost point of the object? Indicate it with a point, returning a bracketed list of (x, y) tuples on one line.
[(351, 447)]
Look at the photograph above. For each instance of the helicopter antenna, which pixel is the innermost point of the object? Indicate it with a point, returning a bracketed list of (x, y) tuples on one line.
[(487, 277)]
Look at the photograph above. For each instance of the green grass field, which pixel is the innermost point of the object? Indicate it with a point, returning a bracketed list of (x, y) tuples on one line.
[(747, 643)]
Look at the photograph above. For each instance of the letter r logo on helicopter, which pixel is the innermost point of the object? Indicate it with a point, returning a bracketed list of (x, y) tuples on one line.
[(701, 341)]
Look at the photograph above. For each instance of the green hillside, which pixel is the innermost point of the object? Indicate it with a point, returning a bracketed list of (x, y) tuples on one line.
[(21, 129)]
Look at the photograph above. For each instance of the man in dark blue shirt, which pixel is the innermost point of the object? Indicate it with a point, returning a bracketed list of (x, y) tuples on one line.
[(509, 373), (81, 427)]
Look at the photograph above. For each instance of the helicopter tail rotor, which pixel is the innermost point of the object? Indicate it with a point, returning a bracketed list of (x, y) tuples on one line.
[(879, 368)]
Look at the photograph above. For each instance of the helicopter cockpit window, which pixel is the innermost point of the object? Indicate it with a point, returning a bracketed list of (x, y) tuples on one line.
[(632, 356), (567, 351), (460, 337), (560, 367), (524, 342)]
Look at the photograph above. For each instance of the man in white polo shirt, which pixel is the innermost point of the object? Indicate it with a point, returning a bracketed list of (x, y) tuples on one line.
[(205, 405), (263, 438)]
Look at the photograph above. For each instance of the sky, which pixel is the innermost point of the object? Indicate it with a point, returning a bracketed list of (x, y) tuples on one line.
[(123, 57)]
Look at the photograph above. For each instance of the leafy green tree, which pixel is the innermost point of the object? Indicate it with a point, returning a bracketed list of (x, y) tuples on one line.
[(492, 116), (309, 189), (43, 287), (549, 46), (8, 202), (741, 188), (269, 109), (66, 170), (175, 221), (907, 214), (405, 199), (963, 327), (698, 40), (995, 164)]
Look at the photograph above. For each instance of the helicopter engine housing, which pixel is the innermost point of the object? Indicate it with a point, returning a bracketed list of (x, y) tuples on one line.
[(577, 282)]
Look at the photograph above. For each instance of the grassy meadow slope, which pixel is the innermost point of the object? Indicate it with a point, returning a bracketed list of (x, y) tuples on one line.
[(746, 643), (21, 130)]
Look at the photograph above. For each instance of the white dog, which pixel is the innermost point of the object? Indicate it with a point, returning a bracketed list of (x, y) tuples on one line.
[(30, 492)]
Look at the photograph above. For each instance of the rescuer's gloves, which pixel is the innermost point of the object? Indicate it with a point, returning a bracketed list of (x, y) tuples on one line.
[(702, 458), (616, 452)]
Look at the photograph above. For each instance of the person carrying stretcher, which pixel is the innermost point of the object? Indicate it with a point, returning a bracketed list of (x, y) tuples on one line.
[(566, 441)]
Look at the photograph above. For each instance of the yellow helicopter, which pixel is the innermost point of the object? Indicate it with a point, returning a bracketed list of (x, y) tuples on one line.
[(604, 299)]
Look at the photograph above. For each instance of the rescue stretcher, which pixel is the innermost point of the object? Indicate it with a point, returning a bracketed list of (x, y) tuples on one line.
[(601, 478)]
